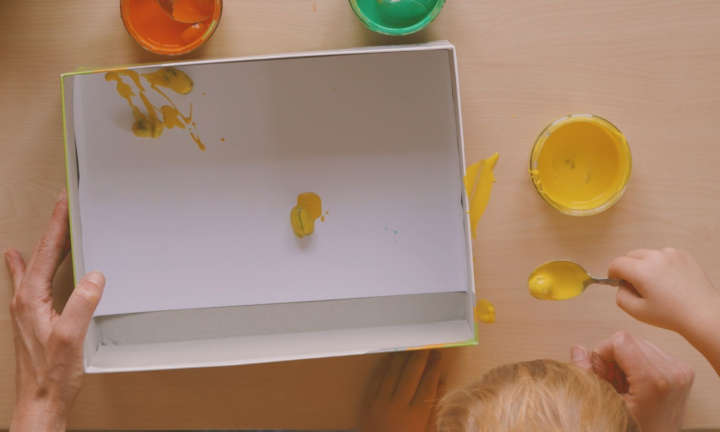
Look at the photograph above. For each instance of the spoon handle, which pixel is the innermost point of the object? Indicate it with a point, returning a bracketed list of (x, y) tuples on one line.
[(611, 282)]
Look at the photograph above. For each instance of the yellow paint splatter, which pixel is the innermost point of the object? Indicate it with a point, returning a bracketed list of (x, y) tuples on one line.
[(148, 123), (303, 216), (557, 280), (478, 181), (171, 78), (197, 140), (172, 117), (485, 311)]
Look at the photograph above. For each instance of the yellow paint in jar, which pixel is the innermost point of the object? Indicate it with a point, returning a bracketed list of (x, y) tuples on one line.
[(581, 164), (557, 280), (303, 216)]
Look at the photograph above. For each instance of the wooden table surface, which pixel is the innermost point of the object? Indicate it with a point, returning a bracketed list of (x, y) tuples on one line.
[(651, 67)]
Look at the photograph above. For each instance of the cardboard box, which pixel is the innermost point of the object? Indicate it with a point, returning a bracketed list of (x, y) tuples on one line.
[(378, 129)]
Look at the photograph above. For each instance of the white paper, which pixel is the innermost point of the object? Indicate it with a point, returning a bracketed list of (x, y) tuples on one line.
[(374, 135)]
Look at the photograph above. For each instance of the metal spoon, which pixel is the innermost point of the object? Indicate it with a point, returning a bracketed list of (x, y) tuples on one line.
[(191, 13), (562, 280), (612, 282)]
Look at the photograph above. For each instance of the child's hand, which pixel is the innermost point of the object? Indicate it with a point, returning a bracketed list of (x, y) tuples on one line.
[(669, 289), (402, 396), (654, 385)]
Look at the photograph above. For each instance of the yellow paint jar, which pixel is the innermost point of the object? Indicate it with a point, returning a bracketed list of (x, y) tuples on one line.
[(581, 164)]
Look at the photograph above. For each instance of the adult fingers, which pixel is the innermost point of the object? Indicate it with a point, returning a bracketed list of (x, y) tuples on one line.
[(392, 374), (629, 300), (411, 375), (75, 318), (16, 266), (52, 249), (580, 357), (428, 387)]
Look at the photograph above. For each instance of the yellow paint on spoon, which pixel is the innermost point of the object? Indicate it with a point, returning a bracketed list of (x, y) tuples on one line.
[(558, 280), (562, 280)]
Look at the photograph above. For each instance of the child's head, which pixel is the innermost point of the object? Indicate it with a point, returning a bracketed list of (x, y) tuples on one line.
[(539, 395)]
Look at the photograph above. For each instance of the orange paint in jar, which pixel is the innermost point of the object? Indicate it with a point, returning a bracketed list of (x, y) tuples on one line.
[(156, 30)]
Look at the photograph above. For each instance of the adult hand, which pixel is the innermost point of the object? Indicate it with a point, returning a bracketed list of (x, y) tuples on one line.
[(48, 345), (402, 396), (669, 290), (654, 385)]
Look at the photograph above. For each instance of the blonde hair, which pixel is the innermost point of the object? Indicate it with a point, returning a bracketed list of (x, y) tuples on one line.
[(539, 395)]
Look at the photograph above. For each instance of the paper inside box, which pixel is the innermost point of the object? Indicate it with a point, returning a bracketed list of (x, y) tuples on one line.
[(397, 292)]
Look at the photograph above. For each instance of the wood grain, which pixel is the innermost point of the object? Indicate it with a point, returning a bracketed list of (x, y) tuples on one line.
[(651, 67)]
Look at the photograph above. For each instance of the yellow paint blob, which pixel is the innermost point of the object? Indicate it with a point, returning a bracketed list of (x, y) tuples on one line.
[(557, 280), (152, 121), (485, 311), (581, 164), (303, 216), (171, 78), (478, 181)]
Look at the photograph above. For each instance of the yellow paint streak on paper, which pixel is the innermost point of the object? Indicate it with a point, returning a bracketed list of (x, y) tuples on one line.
[(303, 216), (485, 311), (176, 80), (172, 117), (197, 140), (148, 124), (557, 280), (478, 181)]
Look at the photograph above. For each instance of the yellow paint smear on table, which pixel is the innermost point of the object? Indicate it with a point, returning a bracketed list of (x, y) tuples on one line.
[(485, 311), (557, 280), (478, 181), (582, 163), (152, 121), (303, 216)]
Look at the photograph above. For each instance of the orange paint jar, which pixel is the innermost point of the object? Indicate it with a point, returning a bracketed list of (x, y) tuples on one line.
[(155, 29)]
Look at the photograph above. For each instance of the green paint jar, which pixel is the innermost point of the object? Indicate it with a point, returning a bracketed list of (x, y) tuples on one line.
[(396, 17)]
